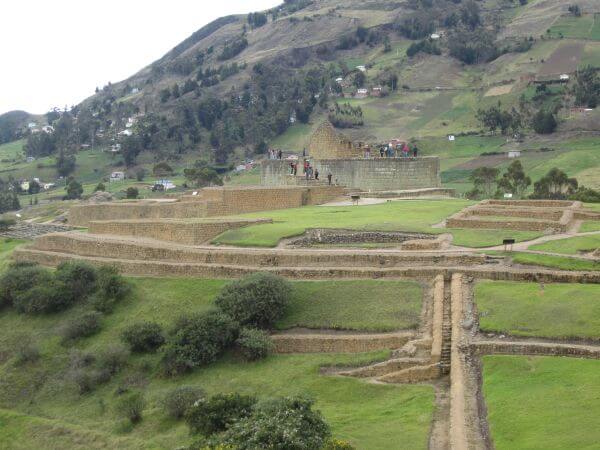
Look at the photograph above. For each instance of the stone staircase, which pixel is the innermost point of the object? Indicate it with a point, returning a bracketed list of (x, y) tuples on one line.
[(446, 330)]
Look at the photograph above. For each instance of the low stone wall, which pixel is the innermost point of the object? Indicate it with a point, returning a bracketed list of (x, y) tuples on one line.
[(191, 232), (335, 236), (437, 319), (338, 343), (535, 348), (412, 193), (82, 215), (80, 244), (377, 174), (417, 374), (544, 214), (534, 203), (515, 225)]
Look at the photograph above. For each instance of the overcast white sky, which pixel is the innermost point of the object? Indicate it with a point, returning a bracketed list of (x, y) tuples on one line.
[(54, 53)]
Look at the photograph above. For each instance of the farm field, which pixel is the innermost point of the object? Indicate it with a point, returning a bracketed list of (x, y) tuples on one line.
[(542, 403), (417, 216), (529, 309), (585, 27)]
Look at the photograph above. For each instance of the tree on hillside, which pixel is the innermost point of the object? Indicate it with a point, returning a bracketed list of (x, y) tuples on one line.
[(65, 164), (495, 118), (587, 87), (40, 144), (201, 175), (130, 149), (485, 180), (544, 122), (74, 190), (555, 185), (514, 181), (470, 15)]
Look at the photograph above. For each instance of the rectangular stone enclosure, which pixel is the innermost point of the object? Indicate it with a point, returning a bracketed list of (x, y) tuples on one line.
[(374, 174)]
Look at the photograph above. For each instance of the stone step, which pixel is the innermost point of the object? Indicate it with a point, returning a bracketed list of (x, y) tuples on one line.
[(416, 374), (384, 368)]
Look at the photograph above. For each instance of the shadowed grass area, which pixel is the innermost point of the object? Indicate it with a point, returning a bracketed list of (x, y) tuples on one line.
[(570, 246), (551, 261), (528, 309), (541, 403), (410, 215), (367, 305)]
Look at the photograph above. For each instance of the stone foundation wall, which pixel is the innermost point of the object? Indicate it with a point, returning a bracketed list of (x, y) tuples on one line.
[(534, 203), (208, 203), (544, 214), (530, 348), (516, 225), (183, 232), (378, 174), (332, 343)]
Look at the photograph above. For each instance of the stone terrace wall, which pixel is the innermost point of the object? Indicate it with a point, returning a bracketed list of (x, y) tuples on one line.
[(193, 232), (378, 174), (383, 174), (333, 343), (208, 203), (534, 203)]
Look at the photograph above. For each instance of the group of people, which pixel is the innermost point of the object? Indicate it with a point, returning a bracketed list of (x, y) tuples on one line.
[(275, 154), (309, 171), (403, 150)]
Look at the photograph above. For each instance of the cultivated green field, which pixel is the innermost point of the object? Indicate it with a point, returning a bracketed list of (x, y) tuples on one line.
[(410, 215), (585, 27), (530, 309), (541, 403)]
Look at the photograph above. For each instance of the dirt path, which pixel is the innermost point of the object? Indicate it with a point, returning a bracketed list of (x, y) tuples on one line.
[(440, 423)]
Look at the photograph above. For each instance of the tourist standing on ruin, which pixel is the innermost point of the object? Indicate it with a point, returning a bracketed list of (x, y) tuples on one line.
[(296, 168), (415, 151), (317, 174), (329, 177), (405, 150), (279, 154), (381, 151)]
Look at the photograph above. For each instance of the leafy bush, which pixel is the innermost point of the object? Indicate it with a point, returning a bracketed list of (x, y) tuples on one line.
[(18, 279), (257, 300), (143, 337), (131, 405), (49, 297), (132, 193), (6, 223), (179, 401), (336, 444), (218, 413), (254, 344), (100, 187), (288, 423), (544, 122), (112, 288), (26, 351), (113, 359), (85, 325), (78, 277), (198, 340)]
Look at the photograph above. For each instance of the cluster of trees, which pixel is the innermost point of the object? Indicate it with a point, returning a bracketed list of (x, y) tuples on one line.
[(424, 46), (495, 118), (9, 200), (555, 185), (234, 48), (201, 175), (257, 19), (587, 87), (346, 116)]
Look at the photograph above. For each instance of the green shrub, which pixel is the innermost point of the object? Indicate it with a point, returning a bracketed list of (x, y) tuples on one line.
[(84, 325), (198, 340), (288, 423), (100, 187), (113, 359), (254, 344), (132, 193), (336, 444), (78, 277), (112, 288), (49, 297), (18, 279), (256, 301), (26, 351), (131, 405), (6, 223), (143, 337), (218, 413), (179, 401)]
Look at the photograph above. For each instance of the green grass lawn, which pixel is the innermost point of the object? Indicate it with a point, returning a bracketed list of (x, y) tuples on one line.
[(590, 226), (358, 305), (556, 262), (542, 403), (525, 309), (412, 215), (570, 246)]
